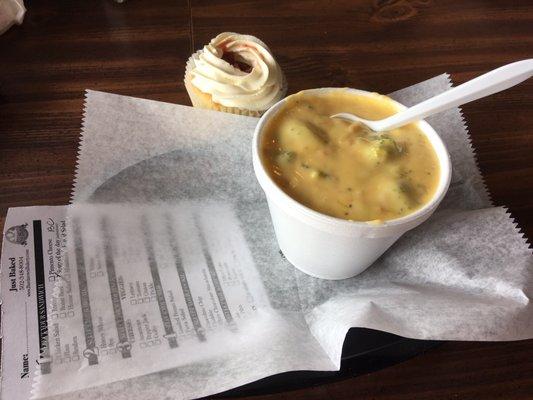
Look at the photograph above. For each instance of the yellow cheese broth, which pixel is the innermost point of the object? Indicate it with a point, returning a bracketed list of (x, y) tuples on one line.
[(343, 169)]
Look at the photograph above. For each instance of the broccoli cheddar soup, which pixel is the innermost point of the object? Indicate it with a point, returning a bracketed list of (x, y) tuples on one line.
[(344, 169)]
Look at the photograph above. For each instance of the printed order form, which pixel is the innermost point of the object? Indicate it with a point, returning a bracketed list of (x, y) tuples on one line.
[(94, 286)]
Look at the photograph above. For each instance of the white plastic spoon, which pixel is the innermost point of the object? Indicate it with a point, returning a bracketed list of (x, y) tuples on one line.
[(492, 82)]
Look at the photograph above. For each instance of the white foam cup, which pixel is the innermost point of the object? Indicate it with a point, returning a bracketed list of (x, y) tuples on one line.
[(332, 248)]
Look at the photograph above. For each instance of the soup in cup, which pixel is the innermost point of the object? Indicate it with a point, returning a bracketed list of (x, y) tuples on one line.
[(340, 194)]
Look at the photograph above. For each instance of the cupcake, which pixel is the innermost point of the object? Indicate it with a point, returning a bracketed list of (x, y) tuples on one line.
[(234, 73)]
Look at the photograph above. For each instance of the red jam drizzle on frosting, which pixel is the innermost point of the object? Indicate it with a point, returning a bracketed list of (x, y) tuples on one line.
[(229, 57)]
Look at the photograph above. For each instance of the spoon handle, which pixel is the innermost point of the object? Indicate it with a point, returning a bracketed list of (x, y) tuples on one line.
[(492, 82)]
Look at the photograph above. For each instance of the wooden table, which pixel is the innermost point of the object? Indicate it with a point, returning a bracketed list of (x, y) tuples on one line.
[(139, 48)]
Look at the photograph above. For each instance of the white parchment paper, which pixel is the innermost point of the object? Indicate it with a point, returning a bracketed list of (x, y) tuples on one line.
[(465, 274)]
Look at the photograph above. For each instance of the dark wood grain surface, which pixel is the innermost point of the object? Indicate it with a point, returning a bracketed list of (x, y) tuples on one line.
[(139, 48)]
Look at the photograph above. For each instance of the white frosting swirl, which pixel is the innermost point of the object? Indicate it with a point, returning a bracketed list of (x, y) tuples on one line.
[(228, 85)]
